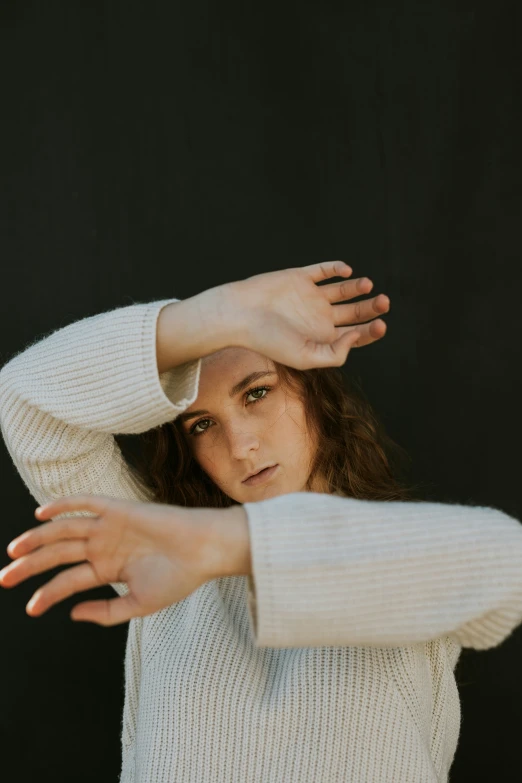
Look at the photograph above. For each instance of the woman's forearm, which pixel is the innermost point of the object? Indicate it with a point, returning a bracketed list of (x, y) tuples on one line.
[(195, 327)]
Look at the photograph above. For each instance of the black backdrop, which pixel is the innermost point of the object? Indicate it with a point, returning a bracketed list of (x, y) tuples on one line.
[(156, 149)]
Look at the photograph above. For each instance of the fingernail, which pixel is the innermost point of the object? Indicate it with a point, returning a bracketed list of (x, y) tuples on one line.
[(32, 603)]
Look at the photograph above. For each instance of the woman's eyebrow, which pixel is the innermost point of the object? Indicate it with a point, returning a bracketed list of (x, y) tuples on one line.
[(247, 380)]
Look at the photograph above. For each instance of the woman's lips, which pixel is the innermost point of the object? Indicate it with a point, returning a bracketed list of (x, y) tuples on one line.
[(262, 476)]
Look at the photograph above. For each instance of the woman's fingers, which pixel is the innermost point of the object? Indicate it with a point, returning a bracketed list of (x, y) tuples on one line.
[(43, 559), (63, 585), (77, 527), (348, 289), (72, 527), (368, 333), (358, 312), (327, 269), (348, 337), (98, 504)]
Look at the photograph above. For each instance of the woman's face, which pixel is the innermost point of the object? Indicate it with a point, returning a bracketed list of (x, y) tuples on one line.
[(242, 431)]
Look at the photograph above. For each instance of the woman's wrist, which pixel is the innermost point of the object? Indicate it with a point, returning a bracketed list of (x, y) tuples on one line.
[(195, 327), (228, 548)]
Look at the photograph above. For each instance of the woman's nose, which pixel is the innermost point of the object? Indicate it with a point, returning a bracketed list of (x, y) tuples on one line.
[(242, 440)]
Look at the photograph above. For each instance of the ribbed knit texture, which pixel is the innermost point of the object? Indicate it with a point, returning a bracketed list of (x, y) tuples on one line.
[(335, 660)]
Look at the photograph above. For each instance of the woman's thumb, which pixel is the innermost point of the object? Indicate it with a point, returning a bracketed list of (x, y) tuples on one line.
[(108, 611), (344, 344), (334, 354)]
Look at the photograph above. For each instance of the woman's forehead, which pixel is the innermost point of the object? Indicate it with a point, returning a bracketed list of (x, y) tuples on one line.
[(235, 358)]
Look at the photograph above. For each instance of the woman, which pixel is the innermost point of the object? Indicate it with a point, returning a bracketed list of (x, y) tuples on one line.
[(292, 627)]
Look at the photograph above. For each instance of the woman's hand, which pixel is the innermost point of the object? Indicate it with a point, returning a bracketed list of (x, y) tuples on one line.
[(162, 552), (284, 315)]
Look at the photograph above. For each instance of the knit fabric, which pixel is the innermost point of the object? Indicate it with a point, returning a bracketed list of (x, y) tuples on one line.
[(335, 660)]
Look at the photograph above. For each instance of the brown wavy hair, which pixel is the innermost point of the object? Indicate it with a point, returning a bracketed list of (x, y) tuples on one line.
[(354, 454)]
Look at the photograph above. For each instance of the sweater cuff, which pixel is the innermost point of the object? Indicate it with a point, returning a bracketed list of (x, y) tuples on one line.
[(282, 530), (265, 590), (171, 392)]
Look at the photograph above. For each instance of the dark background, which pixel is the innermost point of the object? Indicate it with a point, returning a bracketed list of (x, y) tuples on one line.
[(156, 149)]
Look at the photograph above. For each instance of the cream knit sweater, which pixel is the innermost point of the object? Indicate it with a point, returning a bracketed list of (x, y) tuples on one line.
[(335, 661)]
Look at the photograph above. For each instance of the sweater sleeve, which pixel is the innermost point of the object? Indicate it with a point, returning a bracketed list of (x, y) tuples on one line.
[(64, 398), (333, 570)]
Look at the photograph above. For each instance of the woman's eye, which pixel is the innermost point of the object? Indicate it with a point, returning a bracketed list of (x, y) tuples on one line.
[(255, 391), (260, 389), (194, 431)]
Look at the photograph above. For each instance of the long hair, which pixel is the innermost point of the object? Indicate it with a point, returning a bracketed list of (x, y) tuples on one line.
[(354, 455)]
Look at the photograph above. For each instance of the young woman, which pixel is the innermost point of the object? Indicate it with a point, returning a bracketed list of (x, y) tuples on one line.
[(294, 615)]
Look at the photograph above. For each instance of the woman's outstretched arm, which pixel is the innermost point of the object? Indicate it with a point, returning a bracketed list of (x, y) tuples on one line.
[(332, 570), (64, 398)]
